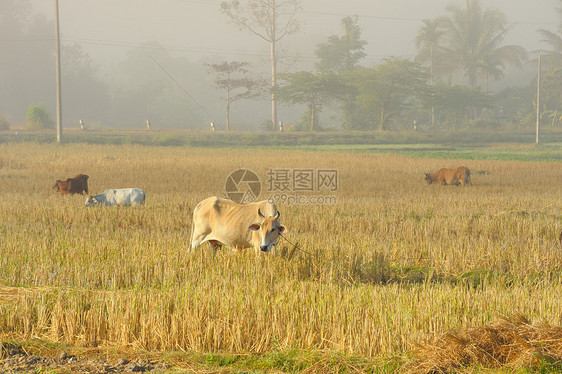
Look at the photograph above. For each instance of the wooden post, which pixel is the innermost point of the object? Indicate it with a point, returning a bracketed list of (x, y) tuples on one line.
[(58, 74), (538, 99)]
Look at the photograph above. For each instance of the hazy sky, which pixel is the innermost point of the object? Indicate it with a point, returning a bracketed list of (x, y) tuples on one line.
[(200, 32), (197, 28)]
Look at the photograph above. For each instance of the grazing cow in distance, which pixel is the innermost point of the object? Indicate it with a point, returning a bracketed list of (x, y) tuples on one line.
[(119, 196), (78, 184), (224, 222), (456, 176), (63, 186)]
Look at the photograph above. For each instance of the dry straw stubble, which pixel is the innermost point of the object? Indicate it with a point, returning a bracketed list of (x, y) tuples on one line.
[(124, 276)]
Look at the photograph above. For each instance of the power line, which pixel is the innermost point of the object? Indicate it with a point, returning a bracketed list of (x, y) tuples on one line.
[(336, 14), (142, 45), (28, 40), (389, 18), (177, 48), (183, 88), (209, 51)]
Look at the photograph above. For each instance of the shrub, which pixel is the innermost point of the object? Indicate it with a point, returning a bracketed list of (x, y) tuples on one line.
[(482, 124), (4, 124), (266, 125), (38, 118)]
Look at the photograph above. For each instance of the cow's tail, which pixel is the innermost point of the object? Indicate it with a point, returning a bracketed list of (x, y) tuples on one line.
[(191, 249), (191, 237), (467, 177)]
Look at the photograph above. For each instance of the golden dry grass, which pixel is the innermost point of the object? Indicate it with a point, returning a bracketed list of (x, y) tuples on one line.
[(509, 343), (124, 276)]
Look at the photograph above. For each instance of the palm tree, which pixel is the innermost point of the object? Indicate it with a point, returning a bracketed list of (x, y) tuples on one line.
[(554, 39), (474, 39), (553, 62), (427, 42)]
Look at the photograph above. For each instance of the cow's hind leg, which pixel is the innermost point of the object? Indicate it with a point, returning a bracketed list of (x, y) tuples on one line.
[(216, 244)]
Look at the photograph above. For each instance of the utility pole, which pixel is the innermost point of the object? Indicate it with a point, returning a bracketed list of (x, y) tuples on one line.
[(538, 99), (58, 75), (273, 53)]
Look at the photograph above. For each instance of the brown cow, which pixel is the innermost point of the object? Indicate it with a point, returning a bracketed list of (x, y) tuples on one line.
[(456, 176), (78, 184), (63, 186)]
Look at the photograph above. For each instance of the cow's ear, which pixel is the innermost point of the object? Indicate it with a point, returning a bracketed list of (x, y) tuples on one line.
[(282, 229), (254, 227)]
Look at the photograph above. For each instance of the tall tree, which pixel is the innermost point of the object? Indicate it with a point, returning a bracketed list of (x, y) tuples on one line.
[(386, 90), (14, 12), (454, 104), (26, 61), (270, 20), (312, 90), (233, 78), (342, 53), (552, 93), (143, 89), (427, 41), (554, 40), (87, 96), (27, 69), (474, 39)]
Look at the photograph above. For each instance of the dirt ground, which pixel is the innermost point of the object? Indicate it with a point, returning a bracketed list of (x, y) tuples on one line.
[(16, 360)]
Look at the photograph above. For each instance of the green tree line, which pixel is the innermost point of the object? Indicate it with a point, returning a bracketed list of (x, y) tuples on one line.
[(445, 86), (397, 93)]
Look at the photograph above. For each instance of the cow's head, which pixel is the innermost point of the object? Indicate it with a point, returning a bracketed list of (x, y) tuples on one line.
[(269, 230), (428, 178), (90, 201)]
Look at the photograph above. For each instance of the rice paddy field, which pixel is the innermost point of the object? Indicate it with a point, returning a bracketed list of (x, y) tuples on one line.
[(358, 285)]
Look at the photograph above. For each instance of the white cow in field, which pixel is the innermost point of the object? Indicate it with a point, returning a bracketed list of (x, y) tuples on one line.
[(224, 222), (119, 196)]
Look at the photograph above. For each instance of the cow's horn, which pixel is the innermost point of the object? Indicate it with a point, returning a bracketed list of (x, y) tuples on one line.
[(259, 212), (277, 215)]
